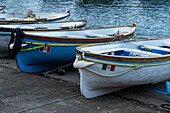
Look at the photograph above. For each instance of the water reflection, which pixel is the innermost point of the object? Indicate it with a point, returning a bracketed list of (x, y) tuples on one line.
[(151, 16)]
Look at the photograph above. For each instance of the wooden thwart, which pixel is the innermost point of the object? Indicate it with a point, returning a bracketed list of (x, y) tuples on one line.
[(129, 50), (155, 47)]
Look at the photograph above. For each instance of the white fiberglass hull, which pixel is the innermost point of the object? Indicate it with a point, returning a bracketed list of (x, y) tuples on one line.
[(97, 82)]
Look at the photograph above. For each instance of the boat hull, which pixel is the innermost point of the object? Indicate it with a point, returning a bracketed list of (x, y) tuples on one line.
[(62, 46), (52, 26), (36, 61), (5, 32), (109, 67), (20, 18), (94, 83)]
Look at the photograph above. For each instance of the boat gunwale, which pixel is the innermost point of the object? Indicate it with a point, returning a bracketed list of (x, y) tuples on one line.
[(133, 26), (36, 20), (125, 59), (6, 29), (85, 21), (84, 40)]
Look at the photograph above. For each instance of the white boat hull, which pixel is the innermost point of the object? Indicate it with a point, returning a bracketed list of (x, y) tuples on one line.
[(97, 82), (4, 45)]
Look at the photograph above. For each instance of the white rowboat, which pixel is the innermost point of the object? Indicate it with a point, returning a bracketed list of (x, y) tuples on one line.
[(106, 68)]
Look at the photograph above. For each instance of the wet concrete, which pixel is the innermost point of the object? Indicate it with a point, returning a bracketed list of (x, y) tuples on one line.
[(35, 93)]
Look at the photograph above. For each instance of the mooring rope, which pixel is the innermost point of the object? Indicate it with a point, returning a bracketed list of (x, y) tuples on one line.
[(166, 106), (115, 75)]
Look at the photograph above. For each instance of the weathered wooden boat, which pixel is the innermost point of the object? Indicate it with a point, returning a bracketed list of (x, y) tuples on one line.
[(5, 31), (106, 68), (9, 18), (43, 51), (52, 26), (2, 9)]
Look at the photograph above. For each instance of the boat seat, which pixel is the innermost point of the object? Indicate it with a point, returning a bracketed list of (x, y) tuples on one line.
[(88, 35), (166, 44), (40, 28), (135, 52), (70, 36), (26, 27), (155, 49), (67, 27), (131, 52), (2, 18)]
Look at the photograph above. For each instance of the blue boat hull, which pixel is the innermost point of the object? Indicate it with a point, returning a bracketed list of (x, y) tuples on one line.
[(41, 53), (36, 60)]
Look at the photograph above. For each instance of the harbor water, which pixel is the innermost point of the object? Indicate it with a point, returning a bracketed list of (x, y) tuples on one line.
[(152, 17)]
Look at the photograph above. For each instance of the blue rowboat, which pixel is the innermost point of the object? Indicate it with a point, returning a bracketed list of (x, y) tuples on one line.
[(41, 51), (2, 9), (122, 64), (13, 18)]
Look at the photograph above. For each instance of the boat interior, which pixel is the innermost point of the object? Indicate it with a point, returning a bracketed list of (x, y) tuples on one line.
[(143, 50), (21, 16), (86, 33), (41, 25)]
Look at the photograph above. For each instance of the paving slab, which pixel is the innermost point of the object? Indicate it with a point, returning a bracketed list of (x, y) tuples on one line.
[(34, 93)]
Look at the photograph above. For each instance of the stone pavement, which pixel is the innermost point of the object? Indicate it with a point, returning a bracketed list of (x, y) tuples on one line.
[(34, 93)]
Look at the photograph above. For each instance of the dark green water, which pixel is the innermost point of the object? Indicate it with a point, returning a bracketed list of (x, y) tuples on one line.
[(151, 16)]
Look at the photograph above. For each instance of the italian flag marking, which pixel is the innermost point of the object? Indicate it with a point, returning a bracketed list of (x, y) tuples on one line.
[(46, 49), (108, 67)]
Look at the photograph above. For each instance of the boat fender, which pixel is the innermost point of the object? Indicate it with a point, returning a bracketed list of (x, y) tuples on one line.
[(12, 45), (15, 43), (81, 63)]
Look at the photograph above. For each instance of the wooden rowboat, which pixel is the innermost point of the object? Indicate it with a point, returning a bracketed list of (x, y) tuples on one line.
[(9, 18), (2, 9), (5, 31), (106, 68), (52, 26), (41, 51)]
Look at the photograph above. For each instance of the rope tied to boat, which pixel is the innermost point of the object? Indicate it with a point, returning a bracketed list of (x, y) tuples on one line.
[(118, 34), (115, 75), (82, 63), (166, 106), (33, 48)]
